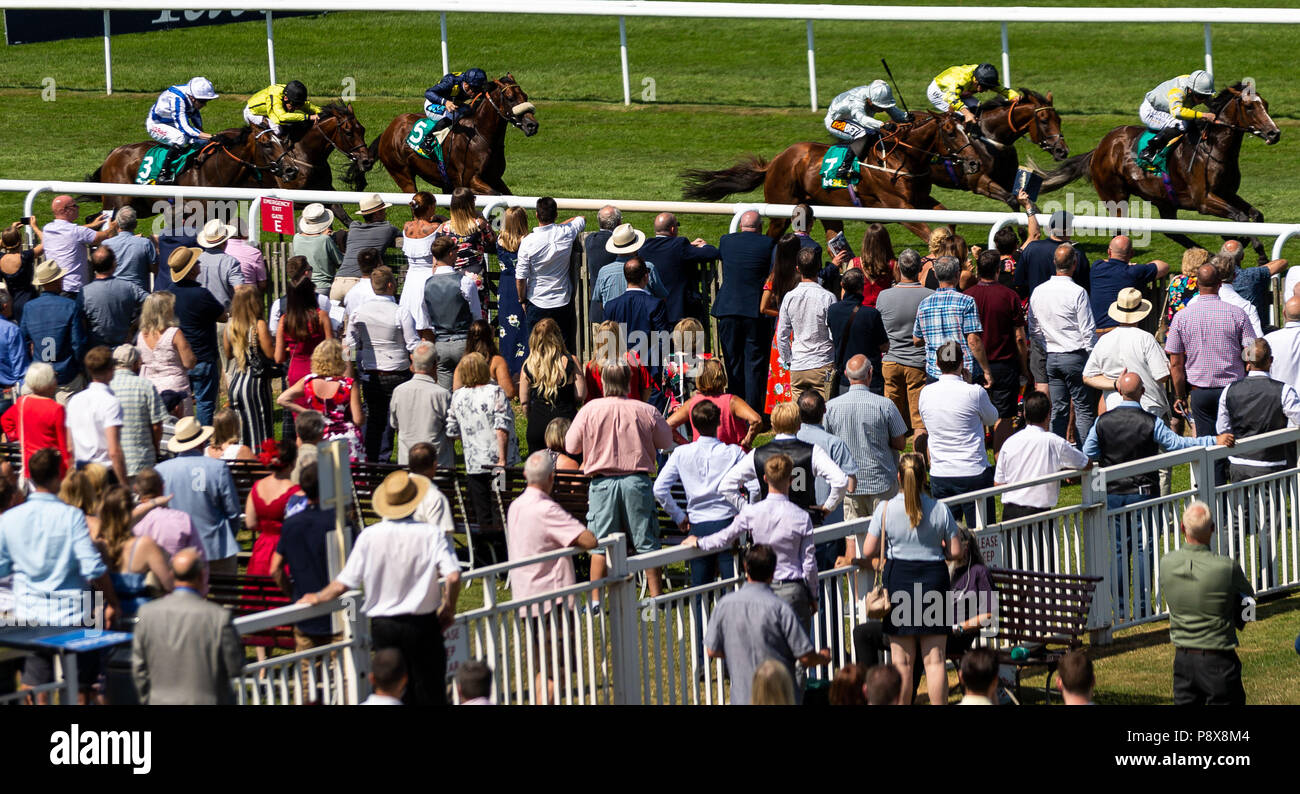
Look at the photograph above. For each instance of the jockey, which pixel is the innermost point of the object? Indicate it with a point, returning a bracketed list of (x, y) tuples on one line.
[(851, 117), (1167, 107), (175, 120), (447, 102), (960, 84), (282, 103)]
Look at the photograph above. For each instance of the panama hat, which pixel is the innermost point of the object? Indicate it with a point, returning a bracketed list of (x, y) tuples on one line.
[(315, 219), (215, 233), (189, 434), (1129, 307), (182, 261), (625, 240), (399, 494), (372, 203), (47, 270)]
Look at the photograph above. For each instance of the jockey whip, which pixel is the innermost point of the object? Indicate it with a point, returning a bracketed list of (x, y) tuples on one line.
[(897, 93)]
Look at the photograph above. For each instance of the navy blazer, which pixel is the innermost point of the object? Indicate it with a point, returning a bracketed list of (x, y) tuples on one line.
[(597, 257), (674, 258), (746, 263), (638, 310)]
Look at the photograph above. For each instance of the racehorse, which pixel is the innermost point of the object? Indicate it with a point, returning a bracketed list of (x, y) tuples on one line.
[(232, 158), (1203, 173), (313, 142), (895, 173), (1002, 122), (475, 149)]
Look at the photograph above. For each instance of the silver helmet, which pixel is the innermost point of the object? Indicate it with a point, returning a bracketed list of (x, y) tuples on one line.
[(880, 95), (1201, 82)]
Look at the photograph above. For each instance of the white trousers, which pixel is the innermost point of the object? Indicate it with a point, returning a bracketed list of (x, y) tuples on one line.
[(1156, 120), (935, 94), (169, 135), (260, 121), (844, 129)]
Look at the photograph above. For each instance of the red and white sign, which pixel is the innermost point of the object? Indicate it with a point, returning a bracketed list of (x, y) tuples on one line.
[(277, 216)]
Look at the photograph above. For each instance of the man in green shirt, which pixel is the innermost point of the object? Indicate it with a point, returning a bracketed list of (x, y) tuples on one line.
[(1204, 591)]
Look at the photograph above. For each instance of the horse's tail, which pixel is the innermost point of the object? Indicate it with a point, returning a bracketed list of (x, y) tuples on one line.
[(1071, 169), (703, 185)]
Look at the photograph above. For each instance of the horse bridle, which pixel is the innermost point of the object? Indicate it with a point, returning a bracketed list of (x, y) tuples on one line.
[(954, 156), (275, 168), (329, 138), (505, 114), (1047, 140)]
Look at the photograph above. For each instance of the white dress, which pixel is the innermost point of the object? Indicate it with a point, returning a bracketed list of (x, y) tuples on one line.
[(419, 266)]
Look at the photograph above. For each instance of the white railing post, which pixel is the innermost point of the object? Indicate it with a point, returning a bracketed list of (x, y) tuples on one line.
[(1281, 241), (254, 219), (443, 24), (1006, 59), (620, 600), (622, 56), (29, 202), (356, 662), (1011, 219), (812, 69), (1098, 549), (270, 46), (108, 56), (1209, 55)]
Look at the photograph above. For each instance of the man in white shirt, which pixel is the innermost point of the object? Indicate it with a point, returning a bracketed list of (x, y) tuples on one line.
[(700, 467), (382, 335), (1127, 347), (363, 291), (1285, 344), (1258, 404), (65, 241), (397, 562), (95, 417), (542, 269), (810, 359), (1227, 268), (1061, 319), (1034, 452), (960, 411)]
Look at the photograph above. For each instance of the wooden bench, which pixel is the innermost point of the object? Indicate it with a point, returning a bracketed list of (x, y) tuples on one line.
[(248, 595), (1041, 616)]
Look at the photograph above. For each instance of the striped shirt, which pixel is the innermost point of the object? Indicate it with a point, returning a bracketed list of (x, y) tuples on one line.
[(1211, 334), (942, 317), (142, 407), (866, 422)]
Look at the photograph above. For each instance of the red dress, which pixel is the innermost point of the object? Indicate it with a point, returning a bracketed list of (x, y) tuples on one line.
[(270, 518), (300, 354), (778, 377)]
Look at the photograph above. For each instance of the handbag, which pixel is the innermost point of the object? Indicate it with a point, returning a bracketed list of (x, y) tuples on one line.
[(259, 365), (877, 602)]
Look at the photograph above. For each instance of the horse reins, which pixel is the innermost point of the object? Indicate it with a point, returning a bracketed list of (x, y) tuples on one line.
[(274, 168), (1036, 113), (329, 138), (896, 142)]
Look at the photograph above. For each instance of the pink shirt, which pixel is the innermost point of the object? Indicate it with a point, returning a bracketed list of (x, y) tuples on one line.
[(616, 435), (539, 525), (251, 263), (170, 529)]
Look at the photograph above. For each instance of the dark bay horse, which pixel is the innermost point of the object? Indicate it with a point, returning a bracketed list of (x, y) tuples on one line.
[(895, 173), (233, 158), (1002, 122), (1203, 172), (475, 149)]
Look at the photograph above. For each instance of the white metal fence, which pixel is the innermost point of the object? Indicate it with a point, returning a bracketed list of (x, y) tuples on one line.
[(698, 10)]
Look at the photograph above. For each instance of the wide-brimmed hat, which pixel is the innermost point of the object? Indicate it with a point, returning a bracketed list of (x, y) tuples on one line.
[(315, 219), (372, 203), (47, 270), (1129, 307), (215, 232), (189, 434), (182, 261), (625, 240), (399, 494)]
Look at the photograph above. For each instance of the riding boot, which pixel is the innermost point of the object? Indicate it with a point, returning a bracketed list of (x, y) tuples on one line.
[(436, 133), (857, 151), (166, 171), (1157, 144)]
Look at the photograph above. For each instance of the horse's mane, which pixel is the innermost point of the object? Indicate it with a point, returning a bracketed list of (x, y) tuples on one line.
[(334, 109), (1216, 103), (235, 137), (1002, 102)]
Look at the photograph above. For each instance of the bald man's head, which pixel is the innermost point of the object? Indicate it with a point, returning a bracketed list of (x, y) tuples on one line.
[(858, 369), (1129, 386), (666, 224), (1207, 279), (64, 207), (1234, 250), (1121, 248), (1291, 309), (749, 221), (187, 566)]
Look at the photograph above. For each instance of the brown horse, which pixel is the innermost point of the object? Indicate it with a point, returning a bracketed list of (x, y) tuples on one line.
[(1203, 173), (314, 142), (475, 149), (233, 158), (895, 174), (1002, 122)]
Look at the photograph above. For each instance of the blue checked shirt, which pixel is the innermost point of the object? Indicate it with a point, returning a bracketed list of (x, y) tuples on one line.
[(942, 317), (57, 334), (865, 422), (142, 408)]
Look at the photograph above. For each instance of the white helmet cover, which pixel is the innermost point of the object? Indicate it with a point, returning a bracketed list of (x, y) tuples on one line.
[(1201, 82), (880, 94), (201, 88)]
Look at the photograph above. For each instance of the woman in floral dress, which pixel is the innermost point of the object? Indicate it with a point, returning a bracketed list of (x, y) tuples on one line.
[(511, 323)]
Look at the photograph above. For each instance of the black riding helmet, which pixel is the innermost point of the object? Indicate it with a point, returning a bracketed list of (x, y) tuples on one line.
[(986, 75), (295, 92), (474, 78)]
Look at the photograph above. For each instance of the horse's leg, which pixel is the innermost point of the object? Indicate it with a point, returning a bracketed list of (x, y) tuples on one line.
[(1170, 212), (1254, 216), (776, 227), (481, 187), (832, 228)]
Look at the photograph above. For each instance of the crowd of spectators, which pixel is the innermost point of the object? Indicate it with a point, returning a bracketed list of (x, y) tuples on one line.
[(135, 367)]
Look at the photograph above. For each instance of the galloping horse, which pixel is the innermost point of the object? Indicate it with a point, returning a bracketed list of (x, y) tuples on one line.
[(475, 149), (1002, 122), (1203, 173), (233, 158), (313, 143), (894, 174)]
